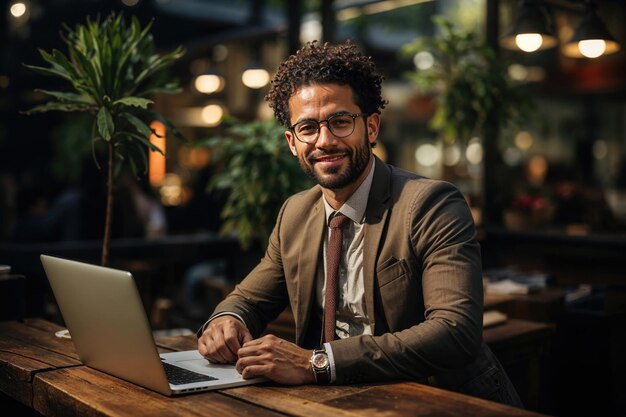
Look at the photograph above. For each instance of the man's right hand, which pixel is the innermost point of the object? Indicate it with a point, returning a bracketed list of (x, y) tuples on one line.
[(222, 338)]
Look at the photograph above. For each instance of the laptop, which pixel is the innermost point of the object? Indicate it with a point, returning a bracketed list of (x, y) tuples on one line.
[(105, 317)]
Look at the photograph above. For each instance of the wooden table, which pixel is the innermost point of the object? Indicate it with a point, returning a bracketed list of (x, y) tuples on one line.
[(520, 345), (43, 372), (546, 305)]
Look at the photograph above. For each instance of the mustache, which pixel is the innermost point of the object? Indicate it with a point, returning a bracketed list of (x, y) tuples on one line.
[(315, 156)]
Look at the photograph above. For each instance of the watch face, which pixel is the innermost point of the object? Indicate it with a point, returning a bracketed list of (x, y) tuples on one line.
[(320, 361)]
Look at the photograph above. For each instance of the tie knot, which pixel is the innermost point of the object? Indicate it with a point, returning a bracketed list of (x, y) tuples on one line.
[(338, 221)]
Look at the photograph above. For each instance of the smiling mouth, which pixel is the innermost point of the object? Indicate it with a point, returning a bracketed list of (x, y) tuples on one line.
[(328, 158)]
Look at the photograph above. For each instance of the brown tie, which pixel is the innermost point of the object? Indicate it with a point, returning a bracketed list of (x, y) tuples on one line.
[(333, 254)]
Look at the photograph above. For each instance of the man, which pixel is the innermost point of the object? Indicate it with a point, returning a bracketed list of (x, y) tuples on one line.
[(408, 303)]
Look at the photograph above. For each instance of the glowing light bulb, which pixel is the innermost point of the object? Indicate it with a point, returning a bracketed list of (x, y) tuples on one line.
[(423, 60), (255, 78), (209, 83), (212, 114), (474, 153), (427, 155), (529, 42), (524, 140), (18, 9), (592, 48)]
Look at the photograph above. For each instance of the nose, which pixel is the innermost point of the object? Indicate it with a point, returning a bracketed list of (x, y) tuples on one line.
[(325, 137)]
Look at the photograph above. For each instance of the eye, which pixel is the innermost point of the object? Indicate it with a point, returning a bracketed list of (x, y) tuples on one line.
[(341, 121), (306, 128)]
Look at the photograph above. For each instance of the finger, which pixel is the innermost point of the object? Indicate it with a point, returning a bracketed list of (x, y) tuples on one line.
[(210, 353), (268, 338), (255, 371), (201, 347), (231, 340), (251, 350), (209, 348), (247, 337), (240, 365), (254, 358), (253, 342), (222, 350)]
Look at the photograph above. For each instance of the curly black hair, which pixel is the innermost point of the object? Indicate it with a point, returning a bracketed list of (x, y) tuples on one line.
[(331, 63)]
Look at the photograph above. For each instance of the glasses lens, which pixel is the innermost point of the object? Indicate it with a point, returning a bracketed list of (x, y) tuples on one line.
[(306, 130), (341, 125)]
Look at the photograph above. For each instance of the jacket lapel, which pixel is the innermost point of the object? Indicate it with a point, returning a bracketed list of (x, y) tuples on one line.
[(375, 218), (307, 267)]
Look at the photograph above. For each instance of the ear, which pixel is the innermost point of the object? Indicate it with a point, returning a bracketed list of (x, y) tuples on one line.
[(373, 127), (291, 140)]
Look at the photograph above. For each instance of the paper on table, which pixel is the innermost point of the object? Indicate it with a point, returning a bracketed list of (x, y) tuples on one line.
[(493, 317), (507, 286)]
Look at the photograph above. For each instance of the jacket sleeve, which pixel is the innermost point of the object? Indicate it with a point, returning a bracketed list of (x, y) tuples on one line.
[(444, 257), (262, 295)]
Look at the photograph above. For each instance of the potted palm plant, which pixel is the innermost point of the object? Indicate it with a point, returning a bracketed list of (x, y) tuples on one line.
[(113, 70)]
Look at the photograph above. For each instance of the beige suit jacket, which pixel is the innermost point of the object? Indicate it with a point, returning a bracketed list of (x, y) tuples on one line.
[(423, 282)]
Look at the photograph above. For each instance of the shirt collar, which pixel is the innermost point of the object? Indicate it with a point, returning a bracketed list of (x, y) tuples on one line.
[(355, 207)]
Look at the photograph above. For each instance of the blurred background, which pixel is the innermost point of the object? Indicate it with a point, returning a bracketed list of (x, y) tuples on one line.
[(568, 152), (547, 190)]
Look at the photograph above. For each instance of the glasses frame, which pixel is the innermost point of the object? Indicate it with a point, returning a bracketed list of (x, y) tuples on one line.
[(354, 116)]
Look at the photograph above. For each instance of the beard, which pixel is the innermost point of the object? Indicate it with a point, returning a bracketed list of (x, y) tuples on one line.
[(333, 178)]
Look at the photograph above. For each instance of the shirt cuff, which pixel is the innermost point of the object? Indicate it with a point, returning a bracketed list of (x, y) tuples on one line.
[(331, 362), (224, 313)]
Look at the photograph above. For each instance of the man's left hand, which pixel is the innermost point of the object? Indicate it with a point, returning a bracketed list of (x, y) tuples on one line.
[(276, 359)]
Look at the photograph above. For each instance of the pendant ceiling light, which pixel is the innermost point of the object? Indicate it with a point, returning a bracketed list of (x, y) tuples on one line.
[(532, 30), (592, 38)]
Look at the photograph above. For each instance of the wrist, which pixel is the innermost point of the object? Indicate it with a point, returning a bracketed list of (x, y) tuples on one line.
[(320, 366)]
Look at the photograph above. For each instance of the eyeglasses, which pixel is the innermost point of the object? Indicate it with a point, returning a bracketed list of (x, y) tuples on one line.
[(340, 125)]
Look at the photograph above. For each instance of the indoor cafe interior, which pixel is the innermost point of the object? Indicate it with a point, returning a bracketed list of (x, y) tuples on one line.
[(520, 104)]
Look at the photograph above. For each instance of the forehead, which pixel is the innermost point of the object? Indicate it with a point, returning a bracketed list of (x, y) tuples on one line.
[(321, 97)]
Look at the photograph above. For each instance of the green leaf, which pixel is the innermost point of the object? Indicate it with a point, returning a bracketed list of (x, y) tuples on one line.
[(157, 63), (106, 127), (145, 141), (130, 49), (57, 106), (134, 101), (170, 126), (90, 76), (167, 89), (132, 153), (59, 62), (141, 127), (68, 97), (144, 158), (50, 72)]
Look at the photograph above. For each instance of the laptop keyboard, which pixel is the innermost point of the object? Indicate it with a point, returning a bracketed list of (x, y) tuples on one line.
[(179, 376)]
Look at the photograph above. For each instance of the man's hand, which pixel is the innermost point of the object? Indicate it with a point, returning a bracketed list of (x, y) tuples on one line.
[(275, 359), (222, 338)]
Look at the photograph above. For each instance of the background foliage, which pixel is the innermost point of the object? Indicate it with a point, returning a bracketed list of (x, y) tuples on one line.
[(470, 81), (258, 173)]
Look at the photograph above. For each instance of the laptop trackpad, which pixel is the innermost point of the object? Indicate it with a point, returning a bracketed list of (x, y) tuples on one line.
[(192, 360)]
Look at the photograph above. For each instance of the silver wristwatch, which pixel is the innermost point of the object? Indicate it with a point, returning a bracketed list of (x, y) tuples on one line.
[(321, 366)]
